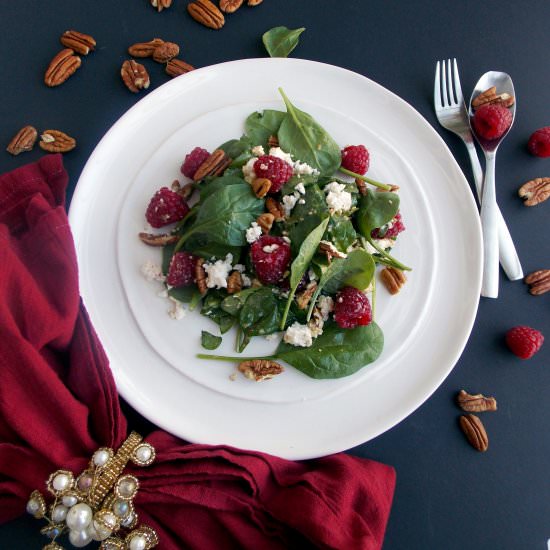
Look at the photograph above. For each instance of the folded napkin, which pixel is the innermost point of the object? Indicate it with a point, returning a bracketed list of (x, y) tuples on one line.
[(58, 404)]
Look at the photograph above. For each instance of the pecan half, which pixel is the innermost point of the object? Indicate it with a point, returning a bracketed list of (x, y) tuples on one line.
[(273, 141), (535, 191), (61, 67), (475, 432), (206, 13), (275, 208), (24, 140), (165, 52), (184, 191), (55, 141), (161, 4), (200, 276), (304, 297), (158, 240), (393, 279), (490, 97), (475, 403), (177, 67), (254, 2), (330, 251), (261, 187), (361, 186), (79, 42), (145, 49), (214, 165), (265, 221), (538, 281), (230, 6), (134, 75), (260, 369), (234, 283)]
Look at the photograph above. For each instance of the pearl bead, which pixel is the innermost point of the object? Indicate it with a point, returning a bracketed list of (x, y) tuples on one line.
[(120, 508), (143, 453), (85, 482), (126, 522), (137, 543), (100, 532), (59, 513), (33, 506), (101, 457), (79, 538), (79, 516), (61, 482), (69, 500), (127, 487)]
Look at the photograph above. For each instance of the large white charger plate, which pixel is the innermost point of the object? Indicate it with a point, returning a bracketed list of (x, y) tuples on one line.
[(426, 326)]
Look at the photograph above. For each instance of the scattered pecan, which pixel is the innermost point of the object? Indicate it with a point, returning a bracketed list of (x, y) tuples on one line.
[(535, 191), (158, 240), (261, 187), (475, 403), (330, 251), (55, 141), (61, 67), (145, 49), (177, 67), (265, 221), (475, 432), (260, 369), (273, 141), (134, 75), (165, 52), (254, 2), (79, 42), (538, 281), (200, 276), (161, 4), (214, 165), (230, 6), (490, 97), (234, 283), (393, 279), (303, 298), (24, 140), (206, 13), (184, 191), (361, 186), (275, 208)]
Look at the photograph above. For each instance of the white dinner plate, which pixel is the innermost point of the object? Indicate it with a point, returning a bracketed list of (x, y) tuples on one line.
[(152, 356)]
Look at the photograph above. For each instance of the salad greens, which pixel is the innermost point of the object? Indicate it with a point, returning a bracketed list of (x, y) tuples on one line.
[(280, 41)]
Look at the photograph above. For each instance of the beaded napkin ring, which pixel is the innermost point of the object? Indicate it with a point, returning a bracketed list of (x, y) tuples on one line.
[(98, 504)]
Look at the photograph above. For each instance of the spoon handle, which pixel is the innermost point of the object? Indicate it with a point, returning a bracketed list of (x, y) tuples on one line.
[(489, 224)]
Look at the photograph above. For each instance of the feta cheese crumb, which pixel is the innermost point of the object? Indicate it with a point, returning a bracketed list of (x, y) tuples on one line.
[(239, 267), (253, 233), (298, 335), (289, 202), (325, 305), (337, 198), (218, 272), (258, 151), (268, 249), (177, 311), (279, 153), (304, 169), (311, 275), (301, 201), (300, 188), (286, 239), (271, 337), (382, 243), (246, 280), (248, 170), (152, 272)]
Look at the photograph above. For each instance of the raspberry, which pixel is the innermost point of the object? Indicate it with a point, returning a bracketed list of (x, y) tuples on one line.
[(391, 233), (524, 341), (276, 170), (166, 207), (270, 257), (181, 271), (356, 159), (193, 160), (539, 142), (351, 308), (491, 121)]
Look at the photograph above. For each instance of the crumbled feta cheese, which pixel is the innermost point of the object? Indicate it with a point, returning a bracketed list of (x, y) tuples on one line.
[(300, 188), (325, 305), (271, 337), (253, 233), (246, 280), (311, 274), (316, 325), (337, 198), (382, 243), (279, 153), (286, 239), (303, 169), (239, 267), (301, 201), (152, 272), (268, 249), (289, 202), (177, 311), (248, 170), (218, 272), (258, 151), (298, 335)]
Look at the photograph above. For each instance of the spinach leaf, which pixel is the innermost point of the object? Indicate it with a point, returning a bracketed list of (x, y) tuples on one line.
[(280, 41), (335, 353), (260, 125), (375, 210), (341, 232), (236, 147), (260, 314), (234, 302), (211, 308), (184, 294), (210, 185), (302, 137), (301, 263), (209, 341)]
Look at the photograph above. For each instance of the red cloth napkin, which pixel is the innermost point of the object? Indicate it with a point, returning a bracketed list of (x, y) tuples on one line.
[(58, 404)]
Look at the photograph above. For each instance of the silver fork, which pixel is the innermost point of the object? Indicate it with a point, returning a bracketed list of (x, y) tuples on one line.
[(452, 114)]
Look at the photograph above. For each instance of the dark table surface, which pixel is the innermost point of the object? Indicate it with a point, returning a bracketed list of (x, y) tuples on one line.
[(448, 496)]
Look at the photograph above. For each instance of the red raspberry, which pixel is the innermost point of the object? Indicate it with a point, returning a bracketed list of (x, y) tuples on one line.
[(392, 232), (270, 257), (539, 142), (524, 341), (356, 159), (193, 160), (181, 271), (166, 207), (491, 121), (276, 170), (351, 308)]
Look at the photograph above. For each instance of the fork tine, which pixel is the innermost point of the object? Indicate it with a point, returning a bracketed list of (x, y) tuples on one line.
[(458, 88), (437, 87), (450, 85), (444, 96)]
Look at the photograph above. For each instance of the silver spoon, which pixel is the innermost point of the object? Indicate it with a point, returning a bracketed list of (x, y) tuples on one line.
[(489, 209)]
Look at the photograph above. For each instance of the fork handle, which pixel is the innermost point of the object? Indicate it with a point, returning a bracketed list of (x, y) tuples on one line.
[(507, 251)]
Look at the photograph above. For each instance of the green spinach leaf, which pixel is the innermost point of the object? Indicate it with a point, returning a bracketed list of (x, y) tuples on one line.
[(209, 341), (260, 125), (375, 210), (211, 308), (280, 41), (341, 232)]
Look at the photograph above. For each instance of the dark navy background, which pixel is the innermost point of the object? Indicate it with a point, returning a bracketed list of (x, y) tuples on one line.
[(448, 496)]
